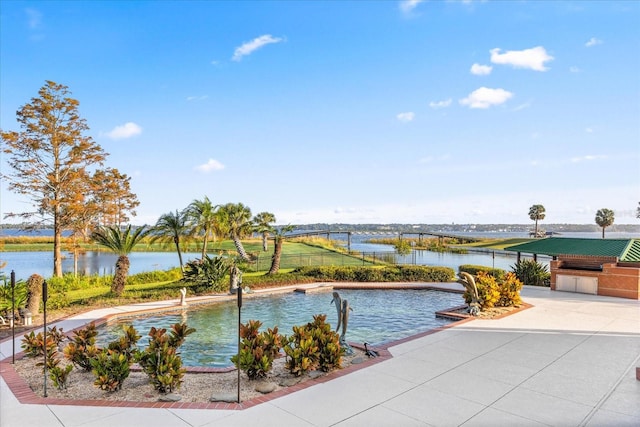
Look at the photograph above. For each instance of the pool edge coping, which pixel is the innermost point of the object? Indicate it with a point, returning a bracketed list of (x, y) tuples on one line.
[(25, 395)]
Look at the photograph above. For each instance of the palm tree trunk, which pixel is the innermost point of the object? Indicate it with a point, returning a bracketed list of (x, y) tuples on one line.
[(120, 275), (275, 260), (264, 242), (238, 244), (177, 242)]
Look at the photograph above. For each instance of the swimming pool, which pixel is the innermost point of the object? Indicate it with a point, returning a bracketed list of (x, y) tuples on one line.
[(378, 317)]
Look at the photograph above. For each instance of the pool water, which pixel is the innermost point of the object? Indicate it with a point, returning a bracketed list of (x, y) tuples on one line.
[(378, 317)]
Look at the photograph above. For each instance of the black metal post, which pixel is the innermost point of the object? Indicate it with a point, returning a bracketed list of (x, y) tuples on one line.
[(13, 316), (44, 327), (239, 292)]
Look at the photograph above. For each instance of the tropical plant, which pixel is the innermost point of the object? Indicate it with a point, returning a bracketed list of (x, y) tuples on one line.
[(203, 218), (112, 365), (302, 351), (171, 227), (510, 287), (82, 347), (49, 160), (161, 360), (262, 223), (329, 350), (19, 294), (278, 240), (207, 272), (536, 213), (604, 218), (235, 221), (638, 211), (110, 369), (258, 349), (532, 273), (121, 243)]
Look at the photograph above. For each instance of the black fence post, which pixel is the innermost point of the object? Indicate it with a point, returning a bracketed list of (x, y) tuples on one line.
[(13, 316)]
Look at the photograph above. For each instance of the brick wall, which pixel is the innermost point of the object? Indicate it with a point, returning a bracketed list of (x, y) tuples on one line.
[(614, 280)]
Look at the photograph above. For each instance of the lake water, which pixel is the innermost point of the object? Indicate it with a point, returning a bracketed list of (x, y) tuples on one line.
[(26, 263), (378, 317)]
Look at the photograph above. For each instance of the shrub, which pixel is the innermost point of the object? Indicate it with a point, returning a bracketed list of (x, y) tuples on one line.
[(207, 273), (492, 292), (258, 349), (329, 350), (510, 288), (112, 365), (532, 273), (313, 346), (82, 348), (301, 351), (488, 290), (161, 361), (20, 295), (474, 269), (402, 273), (58, 374), (34, 346), (110, 368), (403, 247)]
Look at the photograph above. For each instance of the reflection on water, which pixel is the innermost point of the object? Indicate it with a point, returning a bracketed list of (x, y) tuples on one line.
[(378, 317), (91, 262)]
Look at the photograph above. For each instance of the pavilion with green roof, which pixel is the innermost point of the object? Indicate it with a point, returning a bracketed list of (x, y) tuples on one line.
[(597, 266)]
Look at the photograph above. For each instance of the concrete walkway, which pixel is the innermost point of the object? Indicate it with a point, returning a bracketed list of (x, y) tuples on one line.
[(568, 361)]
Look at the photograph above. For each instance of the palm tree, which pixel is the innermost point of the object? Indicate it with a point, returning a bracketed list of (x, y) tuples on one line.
[(202, 214), (171, 227), (263, 222), (278, 239), (235, 221), (638, 211), (121, 243), (536, 213), (604, 218)]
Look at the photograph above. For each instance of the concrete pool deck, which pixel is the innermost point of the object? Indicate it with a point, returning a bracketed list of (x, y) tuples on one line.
[(570, 360)]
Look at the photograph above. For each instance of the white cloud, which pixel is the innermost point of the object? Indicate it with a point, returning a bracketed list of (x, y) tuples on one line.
[(440, 104), (593, 42), (486, 97), (481, 70), (533, 58), (126, 130), (34, 18), (406, 117), (211, 165), (575, 69), (407, 6), (197, 98), (522, 106), (587, 158), (255, 44), (588, 130)]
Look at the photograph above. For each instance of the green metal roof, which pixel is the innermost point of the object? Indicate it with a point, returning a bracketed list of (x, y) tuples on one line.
[(626, 250)]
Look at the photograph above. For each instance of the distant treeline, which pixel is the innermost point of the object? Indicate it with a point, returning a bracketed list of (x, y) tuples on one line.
[(453, 228), (442, 228)]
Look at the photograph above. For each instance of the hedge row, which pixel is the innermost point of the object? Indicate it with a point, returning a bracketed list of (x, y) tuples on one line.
[(400, 273)]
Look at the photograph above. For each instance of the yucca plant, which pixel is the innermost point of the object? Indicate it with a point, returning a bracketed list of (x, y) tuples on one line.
[(532, 273)]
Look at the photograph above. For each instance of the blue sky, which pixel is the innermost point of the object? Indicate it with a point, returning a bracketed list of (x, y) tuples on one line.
[(347, 112)]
